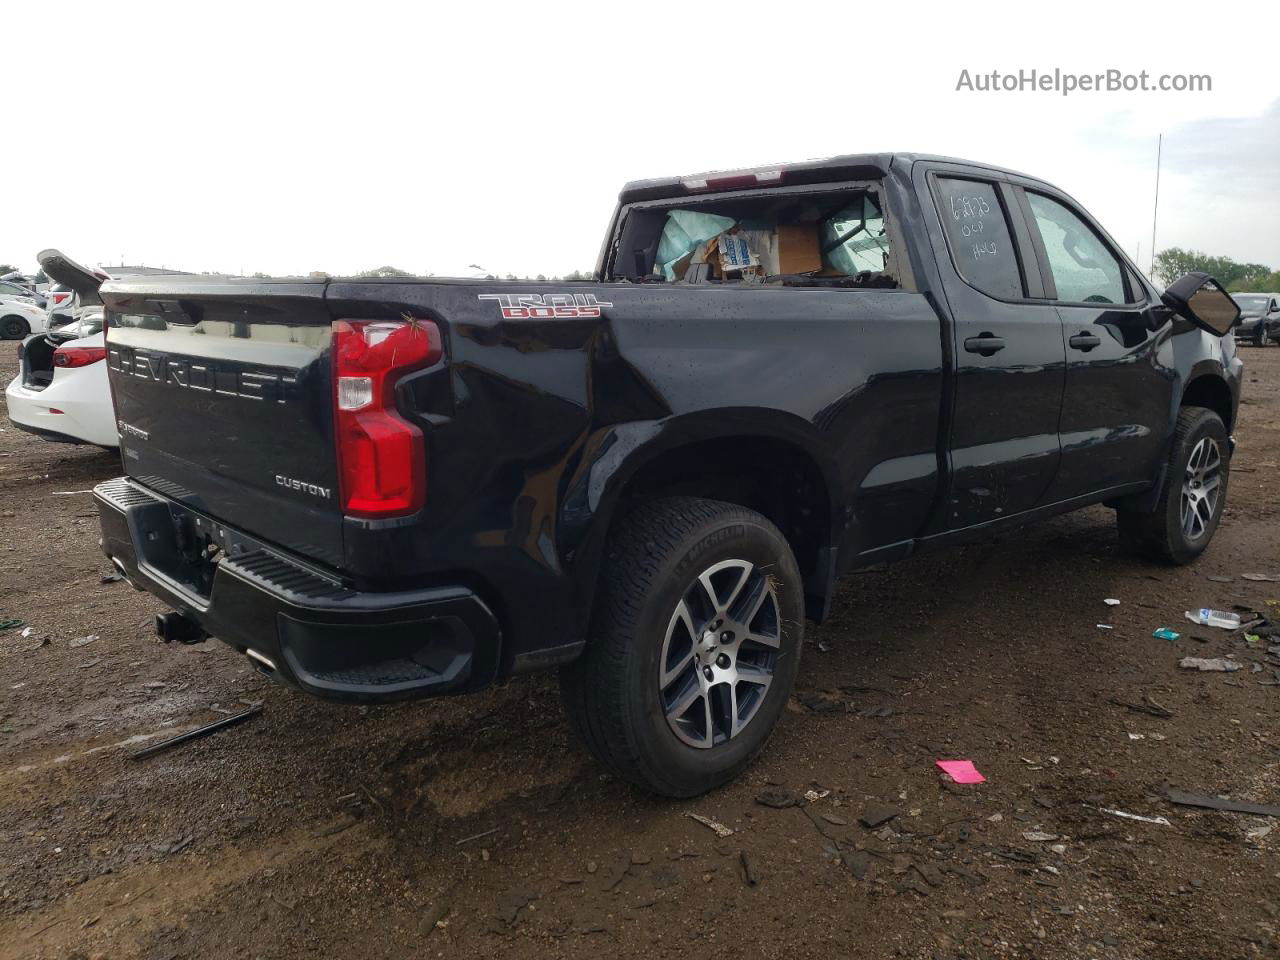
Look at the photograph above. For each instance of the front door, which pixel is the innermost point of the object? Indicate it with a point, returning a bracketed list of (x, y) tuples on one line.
[(1115, 406)]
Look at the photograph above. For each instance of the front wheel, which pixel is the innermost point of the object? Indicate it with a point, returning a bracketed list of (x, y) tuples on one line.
[(694, 646), (13, 328), (1193, 497)]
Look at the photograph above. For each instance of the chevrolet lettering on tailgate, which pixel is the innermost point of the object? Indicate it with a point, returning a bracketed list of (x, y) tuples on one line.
[(200, 375)]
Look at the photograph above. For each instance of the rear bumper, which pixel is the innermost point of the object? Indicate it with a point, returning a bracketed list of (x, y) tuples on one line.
[(299, 625)]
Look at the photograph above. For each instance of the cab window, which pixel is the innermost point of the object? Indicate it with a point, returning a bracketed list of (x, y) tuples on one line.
[(1084, 269), (978, 234)]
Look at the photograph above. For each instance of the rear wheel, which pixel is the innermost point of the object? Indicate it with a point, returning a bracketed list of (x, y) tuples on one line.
[(1193, 497), (694, 645), (13, 328)]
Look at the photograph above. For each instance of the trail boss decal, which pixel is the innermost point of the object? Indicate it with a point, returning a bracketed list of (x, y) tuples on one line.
[(546, 306)]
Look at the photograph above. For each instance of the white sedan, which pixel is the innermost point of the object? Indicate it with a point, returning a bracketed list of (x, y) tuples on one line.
[(20, 318), (61, 392)]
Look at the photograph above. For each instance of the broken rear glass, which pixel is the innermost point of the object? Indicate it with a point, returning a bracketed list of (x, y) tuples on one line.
[(834, 238)]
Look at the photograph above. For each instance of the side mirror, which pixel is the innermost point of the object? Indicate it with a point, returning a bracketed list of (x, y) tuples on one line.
[(1201, 299)]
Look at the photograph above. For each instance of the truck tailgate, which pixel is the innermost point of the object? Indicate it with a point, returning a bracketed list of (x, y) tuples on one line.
[(223, 393)]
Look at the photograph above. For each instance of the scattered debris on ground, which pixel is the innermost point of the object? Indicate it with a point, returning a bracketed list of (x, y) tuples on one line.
[(961, 771), (719, 828), (1218, 664), (196, 734), (1184, 799)]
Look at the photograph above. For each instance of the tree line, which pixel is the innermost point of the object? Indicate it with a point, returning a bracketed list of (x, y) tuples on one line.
[(1236, 277)]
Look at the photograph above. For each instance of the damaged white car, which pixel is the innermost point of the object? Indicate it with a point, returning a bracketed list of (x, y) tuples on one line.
[(61, 391)]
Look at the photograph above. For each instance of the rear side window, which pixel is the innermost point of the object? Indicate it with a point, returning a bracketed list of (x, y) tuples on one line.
[(1084, 269), (979, 236)]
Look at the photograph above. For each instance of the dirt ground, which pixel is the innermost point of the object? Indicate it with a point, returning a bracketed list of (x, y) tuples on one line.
[(477, 827)]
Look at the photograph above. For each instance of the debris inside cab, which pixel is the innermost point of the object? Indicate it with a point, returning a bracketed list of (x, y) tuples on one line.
[(809, 239)]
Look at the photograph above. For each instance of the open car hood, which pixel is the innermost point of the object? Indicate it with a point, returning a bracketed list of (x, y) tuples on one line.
[(62, 269)]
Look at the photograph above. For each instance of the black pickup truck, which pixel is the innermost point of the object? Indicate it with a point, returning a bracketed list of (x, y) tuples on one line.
[(379, 489)]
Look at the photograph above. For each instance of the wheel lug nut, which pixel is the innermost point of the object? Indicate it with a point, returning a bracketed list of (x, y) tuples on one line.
[(706, 672), (726, 637), (722, 661)]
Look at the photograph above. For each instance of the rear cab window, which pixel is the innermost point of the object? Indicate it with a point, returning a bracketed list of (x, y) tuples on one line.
[(798, 237)]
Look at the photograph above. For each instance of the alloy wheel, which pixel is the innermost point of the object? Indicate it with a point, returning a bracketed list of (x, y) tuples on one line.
[(719, 653), (1201, 486)]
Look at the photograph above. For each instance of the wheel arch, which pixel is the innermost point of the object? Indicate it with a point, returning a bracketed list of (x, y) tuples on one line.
[(1209, 388), (763, 460)]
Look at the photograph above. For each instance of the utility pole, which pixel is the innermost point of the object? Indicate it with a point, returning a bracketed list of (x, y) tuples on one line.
[(1156, 207)]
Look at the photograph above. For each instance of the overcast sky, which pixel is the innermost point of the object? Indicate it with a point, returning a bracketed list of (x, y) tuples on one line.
[(253, 136)]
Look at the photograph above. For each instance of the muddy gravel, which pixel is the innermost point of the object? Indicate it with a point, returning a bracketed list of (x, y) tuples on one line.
[(477, 827)]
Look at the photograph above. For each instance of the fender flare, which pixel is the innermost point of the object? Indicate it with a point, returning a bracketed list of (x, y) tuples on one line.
[(614, 457)]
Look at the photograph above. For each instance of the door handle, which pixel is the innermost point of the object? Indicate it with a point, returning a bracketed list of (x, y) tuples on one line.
[(1084, 341), (986, 344)]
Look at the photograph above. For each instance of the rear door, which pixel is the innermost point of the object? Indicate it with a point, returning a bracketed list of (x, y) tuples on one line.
[(1007, 347), (1115, 407)]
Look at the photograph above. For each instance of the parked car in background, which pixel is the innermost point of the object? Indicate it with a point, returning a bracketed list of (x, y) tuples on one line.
[(386, 488), (20, 317), (61, 391), (60, 305), (12, 290), (1259, 317)]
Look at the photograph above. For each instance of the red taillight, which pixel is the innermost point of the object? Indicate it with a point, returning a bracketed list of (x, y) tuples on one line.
[(78, 356), (381, 457), (58, 298)]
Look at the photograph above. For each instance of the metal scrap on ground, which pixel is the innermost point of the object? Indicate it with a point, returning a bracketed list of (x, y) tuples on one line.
[(1133, 816), (197, 733), (720, 829), (1184, 799)]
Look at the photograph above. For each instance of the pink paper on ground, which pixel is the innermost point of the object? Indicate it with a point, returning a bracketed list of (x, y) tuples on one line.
[(961, 771)]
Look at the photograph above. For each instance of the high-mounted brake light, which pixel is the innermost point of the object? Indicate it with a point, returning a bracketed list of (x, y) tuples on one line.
[(78, 356), (739, 180), (381, 456)]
